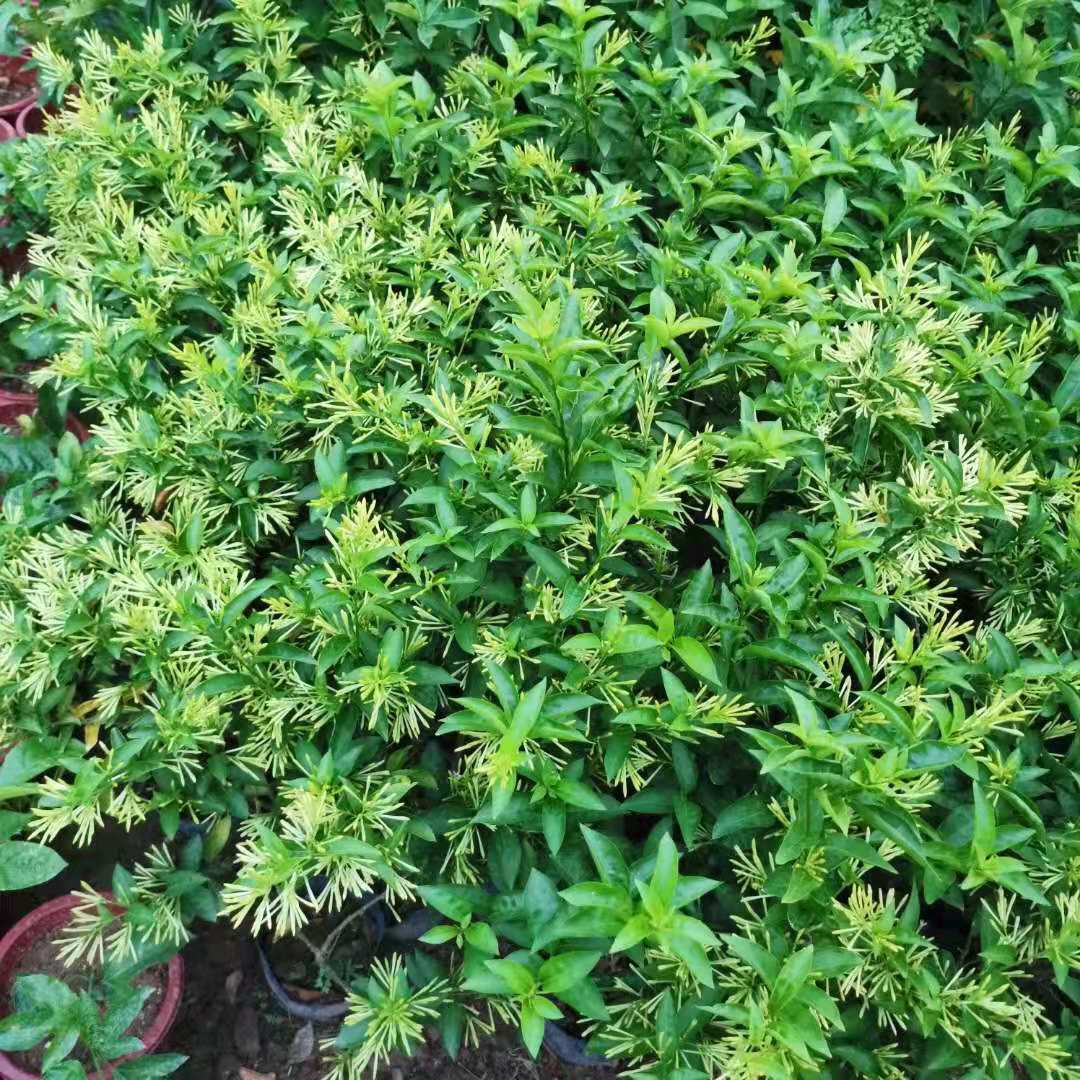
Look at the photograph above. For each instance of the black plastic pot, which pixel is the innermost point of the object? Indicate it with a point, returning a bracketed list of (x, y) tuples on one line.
[(571, 1051), (317, 1012)]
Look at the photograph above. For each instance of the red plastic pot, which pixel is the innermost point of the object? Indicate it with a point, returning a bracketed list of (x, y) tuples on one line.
[(49, 919), (6, 131), (16, 71), (30, 121), (14, 404)]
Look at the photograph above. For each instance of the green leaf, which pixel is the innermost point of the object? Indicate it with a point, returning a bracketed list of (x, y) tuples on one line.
[(481, 936), (456, 902), (635, 637), (223, 684), (761, 960), (791, 979), (527, 712), (235, 607), (517, 977), (147, 1068), (984, 830), (666, 874), (24, 1030), (634, 930), (741, 541), (835, 207), (749, 812), (440, 935), (696, 657), (30, 758), (606, 856), (784, 653), (532, 1029), (24, 865), (563, 971), (552, 566), (541, 902)]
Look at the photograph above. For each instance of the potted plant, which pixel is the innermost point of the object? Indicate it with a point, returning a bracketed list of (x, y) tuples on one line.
[(560, 494), (86, 1020)]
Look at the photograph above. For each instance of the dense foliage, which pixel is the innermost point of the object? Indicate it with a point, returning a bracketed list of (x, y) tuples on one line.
[(606, 472)]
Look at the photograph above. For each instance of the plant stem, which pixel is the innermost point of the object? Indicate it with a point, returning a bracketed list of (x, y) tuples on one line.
[(323, 962), (322, 953), (332, 937)]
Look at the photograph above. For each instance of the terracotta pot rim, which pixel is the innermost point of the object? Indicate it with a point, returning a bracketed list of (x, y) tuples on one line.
[(27, 403), (18, 397), (21, 120), (49, 917)]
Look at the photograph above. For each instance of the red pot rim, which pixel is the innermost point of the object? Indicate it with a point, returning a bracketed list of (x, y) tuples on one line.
[(17, 397), (52, 916), (14, 403), (23, 118), (7, 132)]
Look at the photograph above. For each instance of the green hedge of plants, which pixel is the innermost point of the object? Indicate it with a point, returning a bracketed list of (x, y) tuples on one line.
[(608, 473)]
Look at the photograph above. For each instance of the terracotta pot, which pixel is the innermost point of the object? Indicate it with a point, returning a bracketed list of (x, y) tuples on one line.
[(15, 70), (51, 918), (30, 121), (14, 404)]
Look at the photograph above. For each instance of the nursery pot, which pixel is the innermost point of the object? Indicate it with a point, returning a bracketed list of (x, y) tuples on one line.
[(18, 74), (49, 919), (14, 404), (6, 131), (30, 121)]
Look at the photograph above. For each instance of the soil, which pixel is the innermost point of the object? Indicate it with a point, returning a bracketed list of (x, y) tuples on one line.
[(500, 1057), (11, 91), (43, 958), (16, 80), (303, 976)]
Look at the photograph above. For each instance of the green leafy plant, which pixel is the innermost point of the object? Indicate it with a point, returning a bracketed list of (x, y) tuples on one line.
[(90, 1022), (605, 473)]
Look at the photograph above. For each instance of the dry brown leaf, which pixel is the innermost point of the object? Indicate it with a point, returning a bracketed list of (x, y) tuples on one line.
[(163, 497), (303, 1045), (232, 985), (246, 1033), (302, 993)]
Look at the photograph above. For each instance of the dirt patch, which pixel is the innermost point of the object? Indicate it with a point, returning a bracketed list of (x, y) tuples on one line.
[(43, 958), (500, 1057), (228, 1020), (16, 81)]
